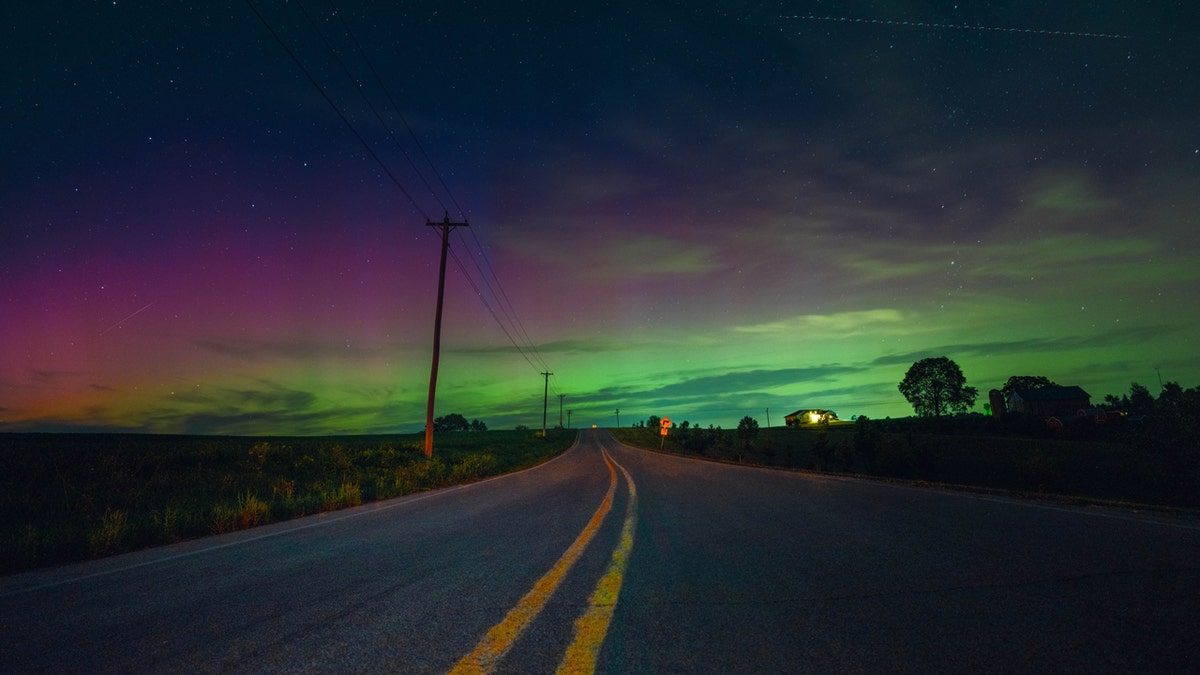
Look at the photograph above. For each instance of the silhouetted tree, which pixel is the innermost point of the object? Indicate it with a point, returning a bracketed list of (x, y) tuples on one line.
[(936, 386), (478, 425), (451, 422), (1020, 382), (747, 428), (1141, 401)]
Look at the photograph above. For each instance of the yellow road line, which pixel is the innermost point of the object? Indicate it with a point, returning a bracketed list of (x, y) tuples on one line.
[(592, 626), (501, 637)]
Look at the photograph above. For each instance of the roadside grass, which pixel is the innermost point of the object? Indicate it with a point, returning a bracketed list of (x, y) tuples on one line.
[(71, 497), (1110, 469)]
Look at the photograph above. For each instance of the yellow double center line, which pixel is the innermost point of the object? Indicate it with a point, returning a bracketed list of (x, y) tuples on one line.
[(592, 626)]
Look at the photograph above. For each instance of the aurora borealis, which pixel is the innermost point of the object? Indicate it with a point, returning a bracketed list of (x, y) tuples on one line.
[(695, 209)]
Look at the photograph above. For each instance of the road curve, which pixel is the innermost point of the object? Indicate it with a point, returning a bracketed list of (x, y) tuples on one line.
[(626, 561)]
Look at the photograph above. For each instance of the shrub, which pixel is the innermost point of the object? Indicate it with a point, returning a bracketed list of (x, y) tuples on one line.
[(422, 474), (472, 468), (348, 494)]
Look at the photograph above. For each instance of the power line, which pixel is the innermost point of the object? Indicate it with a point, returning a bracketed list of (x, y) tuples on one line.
[(488, 278), (486, 272), (395, 108), (321, 90), (479, 294), (502, 301)]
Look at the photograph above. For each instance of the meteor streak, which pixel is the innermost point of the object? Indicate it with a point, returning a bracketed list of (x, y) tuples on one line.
[(115, 325)]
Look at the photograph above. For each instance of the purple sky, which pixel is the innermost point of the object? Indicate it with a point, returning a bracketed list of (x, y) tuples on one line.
[(697, 210)]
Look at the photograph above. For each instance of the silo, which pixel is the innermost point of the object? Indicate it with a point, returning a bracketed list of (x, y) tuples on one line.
[(996, 398)]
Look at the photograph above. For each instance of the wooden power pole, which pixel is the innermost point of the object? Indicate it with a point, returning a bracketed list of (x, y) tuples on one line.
[(545, 395), (445, 226)]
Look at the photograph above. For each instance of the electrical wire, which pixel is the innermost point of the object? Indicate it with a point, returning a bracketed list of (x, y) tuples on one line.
[(486, 272), (321, 90)]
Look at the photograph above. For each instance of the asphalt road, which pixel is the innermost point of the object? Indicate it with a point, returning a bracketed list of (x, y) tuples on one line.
[(628, 561)]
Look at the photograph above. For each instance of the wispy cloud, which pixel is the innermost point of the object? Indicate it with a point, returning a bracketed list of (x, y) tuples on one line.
[(840, 324), (298, 349)]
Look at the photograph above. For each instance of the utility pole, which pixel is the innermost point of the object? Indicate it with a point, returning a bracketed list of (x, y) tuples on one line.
[(618, 418), (569, 418), (768, 418), (445, 226), (545, 395), (560, 398)]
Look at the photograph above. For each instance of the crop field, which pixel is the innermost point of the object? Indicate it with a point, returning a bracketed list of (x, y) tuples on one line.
[(69, 497)]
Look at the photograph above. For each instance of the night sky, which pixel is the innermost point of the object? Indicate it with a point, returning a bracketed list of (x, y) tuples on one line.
[(691, 209)]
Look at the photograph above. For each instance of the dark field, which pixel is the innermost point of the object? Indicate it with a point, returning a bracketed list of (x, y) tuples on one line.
[(1144, 464), (69, 497)]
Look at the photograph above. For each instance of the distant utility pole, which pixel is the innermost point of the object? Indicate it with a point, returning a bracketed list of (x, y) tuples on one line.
[(618, 418), (768, 418), (569, 418), (560, 398), (445, 226), (545, 395)]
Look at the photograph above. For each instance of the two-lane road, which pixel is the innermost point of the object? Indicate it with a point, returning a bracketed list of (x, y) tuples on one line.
[(631, 561)]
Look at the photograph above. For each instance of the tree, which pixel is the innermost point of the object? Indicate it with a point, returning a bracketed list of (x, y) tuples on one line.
[(747, 429), (478, 425), (1141, 401), (1020, 382), (935, 386), (451, 422)]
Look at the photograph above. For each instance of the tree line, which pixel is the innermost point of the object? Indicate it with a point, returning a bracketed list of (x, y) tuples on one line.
[(936, 387)]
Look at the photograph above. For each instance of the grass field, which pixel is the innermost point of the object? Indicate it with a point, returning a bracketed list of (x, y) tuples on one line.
[(1108, 467), (69, 497)]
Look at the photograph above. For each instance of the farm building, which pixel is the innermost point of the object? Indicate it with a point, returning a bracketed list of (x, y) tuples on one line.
[(809, 416), (1049, 401)]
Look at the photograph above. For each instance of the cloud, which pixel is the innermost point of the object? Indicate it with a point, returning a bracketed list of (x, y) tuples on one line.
[(1069, 193), (1129, 338), (586, 345), (720, 385), (283, 399), (840, 324), (51, 376), (298, 349)]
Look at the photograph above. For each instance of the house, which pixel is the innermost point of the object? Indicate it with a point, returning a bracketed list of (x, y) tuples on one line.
[(809, 416), (1046, 402)]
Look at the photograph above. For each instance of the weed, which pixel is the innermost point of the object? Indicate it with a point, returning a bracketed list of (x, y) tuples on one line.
[(284, 488), (258, 454), (67, 497), (347, 495), (251, 511), (110, 534), (166, 521), (472, 468)]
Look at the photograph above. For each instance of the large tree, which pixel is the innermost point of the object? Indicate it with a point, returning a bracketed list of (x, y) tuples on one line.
[(451, 422), (935, 386), (1022, 382)]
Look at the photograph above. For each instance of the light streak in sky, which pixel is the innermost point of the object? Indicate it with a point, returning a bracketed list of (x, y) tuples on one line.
[(117, 324), (959, 26)]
